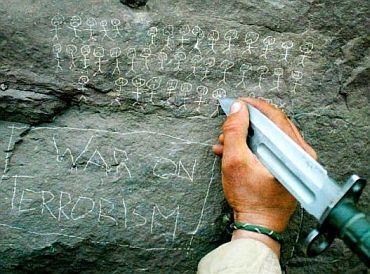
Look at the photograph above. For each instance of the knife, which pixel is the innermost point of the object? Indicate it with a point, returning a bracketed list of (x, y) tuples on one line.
[(333, 205)]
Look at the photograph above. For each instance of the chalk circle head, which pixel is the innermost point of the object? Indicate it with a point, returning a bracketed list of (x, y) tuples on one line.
[(138, 81), (153, 31), (263, 69), (85, 50), (307, 47), (287, 45), (57, 20), (180, 56), (210, 62), (115, 22), (71, 49), (91, 22), (231, 34), (245, 67), (213, 35), (146, 52), (219, 94), (202, 90), (269, 40), (98, 52), (115, 52), (184, 30), (57, 48), (198, 32), (131, 52), (83, 79), (168, 31), (278, 71), (121, 82), (226, 64), (75, 21), (251, 37), (296, 74)]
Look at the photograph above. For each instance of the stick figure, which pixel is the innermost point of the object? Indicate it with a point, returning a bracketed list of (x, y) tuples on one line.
[(98, 53), (229, 36), (104, 26), (306, 48), (57, 49), (180, 57), (278, 72), (71, 51), (131, 54), (74, 23), (225, 65), (184, 31), (171, 86), (56, 22), (153, 85), (168, 32), (145, 54), (85, 52), (216, 95), (116, 23), (116, 53), (250, 39), (202, 91), (162, 57), (195, 61), (262, 70), (243, 69), (91, 24), (296, 75), (287, 45), (199, 34), (119, 83), (185, 89), (83, 81), (209, 63), (138, 83), (268, 41), (152, 32), (213, 37)]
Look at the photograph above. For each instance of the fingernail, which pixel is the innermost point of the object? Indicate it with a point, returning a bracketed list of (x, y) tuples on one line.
[(235, 107)]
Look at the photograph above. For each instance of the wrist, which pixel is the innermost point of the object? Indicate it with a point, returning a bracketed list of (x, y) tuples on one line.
[(266, 219), (272, 244)]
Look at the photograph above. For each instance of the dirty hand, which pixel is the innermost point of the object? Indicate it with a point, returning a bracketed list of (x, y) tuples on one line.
[(255, 196)]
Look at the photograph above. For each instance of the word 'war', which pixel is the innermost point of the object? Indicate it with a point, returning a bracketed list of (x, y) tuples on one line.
[(121, 164)]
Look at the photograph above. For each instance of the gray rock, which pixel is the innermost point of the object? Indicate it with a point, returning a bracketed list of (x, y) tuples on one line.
[(108, 115)]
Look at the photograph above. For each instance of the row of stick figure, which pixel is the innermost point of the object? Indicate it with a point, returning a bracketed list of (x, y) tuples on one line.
[(141, 87), (177, 39), (145, 60)]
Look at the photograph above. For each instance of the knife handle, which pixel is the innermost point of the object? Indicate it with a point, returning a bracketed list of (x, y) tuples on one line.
[(346, 222), (353, 228)]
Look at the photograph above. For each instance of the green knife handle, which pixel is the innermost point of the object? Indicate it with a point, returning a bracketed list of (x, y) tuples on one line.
[(345, 221), (352, 227)]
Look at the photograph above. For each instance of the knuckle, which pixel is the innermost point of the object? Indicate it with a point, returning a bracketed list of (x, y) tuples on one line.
[(234, 163), (231, 126)]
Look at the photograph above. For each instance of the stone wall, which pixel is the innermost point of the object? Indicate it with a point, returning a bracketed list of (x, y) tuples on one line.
[(109, 111)]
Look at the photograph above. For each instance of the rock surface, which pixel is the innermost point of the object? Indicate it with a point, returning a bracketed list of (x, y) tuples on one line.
[(108, 115)]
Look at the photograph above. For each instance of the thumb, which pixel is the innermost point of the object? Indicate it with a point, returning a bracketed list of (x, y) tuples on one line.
[(235, 130)]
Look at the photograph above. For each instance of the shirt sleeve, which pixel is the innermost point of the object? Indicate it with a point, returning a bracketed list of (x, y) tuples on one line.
[(240, 256)]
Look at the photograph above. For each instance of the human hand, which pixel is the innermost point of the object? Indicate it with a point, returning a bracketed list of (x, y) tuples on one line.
[(255, 196)]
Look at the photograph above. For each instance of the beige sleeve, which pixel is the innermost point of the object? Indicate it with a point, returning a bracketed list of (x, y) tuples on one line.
[(240, 256)]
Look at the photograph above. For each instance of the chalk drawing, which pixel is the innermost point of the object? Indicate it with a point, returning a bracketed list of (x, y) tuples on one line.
[(56, 22), (91, 25), (268, 42)]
